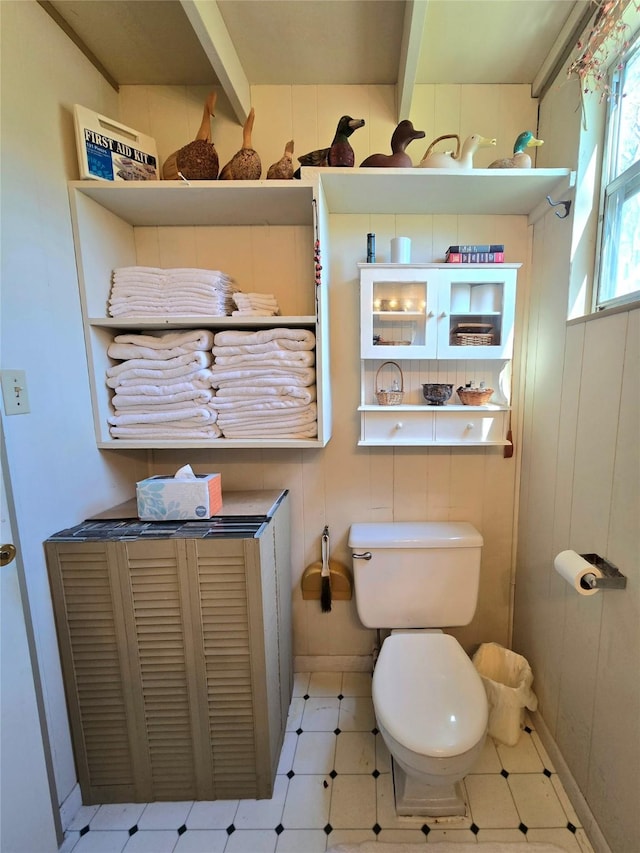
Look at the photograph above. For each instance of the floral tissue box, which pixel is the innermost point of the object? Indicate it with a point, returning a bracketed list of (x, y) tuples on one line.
[(163, 498)]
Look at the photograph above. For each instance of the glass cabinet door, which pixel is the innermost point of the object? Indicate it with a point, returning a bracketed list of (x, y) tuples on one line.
[(398, 316), (476, 313)]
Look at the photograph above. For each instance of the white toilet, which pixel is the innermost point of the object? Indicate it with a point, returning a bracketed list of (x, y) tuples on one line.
[(430, 704)]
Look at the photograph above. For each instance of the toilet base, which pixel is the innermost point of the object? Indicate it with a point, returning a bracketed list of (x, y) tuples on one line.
[(414, 797)]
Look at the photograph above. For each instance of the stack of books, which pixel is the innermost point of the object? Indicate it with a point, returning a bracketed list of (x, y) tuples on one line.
[(475, 254)]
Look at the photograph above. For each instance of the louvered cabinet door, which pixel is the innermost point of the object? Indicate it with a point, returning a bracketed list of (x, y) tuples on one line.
[(85, 586), (165, 664), (221, 594)]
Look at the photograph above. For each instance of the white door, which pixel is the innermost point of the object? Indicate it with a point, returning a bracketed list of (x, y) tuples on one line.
[(27, 822)]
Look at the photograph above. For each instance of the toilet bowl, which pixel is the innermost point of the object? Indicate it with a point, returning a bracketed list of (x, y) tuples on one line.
[(432, 713), (430, 703)]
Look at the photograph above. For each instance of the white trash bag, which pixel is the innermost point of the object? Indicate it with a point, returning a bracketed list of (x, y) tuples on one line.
[(507, 679)]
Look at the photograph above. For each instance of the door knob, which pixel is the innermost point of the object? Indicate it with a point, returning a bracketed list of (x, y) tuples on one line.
[(7, 554)]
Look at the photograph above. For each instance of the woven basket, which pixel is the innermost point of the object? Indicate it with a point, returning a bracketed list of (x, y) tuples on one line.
[(473, 335), (474, 397), (390, 398)]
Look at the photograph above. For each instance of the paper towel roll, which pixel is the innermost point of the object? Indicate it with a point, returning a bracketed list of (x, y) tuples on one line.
[(572, 567)]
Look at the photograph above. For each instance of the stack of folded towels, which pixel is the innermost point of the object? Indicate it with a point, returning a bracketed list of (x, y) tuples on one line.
[(163, 386), (255, 305), (265, 383), (148, 291)]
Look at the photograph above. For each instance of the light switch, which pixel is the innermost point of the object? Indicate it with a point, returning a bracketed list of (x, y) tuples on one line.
[(14, 392)]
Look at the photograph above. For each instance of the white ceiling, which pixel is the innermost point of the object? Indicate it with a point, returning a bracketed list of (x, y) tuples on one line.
[(239, 43)]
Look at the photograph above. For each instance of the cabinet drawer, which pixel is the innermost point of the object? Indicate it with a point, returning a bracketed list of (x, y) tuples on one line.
[(397, 427), (472, 427)]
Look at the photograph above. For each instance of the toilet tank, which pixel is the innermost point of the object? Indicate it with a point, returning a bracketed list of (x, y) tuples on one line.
[(419, 574)]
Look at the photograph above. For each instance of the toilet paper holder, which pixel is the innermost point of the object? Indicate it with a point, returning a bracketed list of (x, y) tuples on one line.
[(611, 578)]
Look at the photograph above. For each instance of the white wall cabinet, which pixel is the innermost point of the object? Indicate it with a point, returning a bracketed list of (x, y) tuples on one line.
[(437, 311), (421, 315)]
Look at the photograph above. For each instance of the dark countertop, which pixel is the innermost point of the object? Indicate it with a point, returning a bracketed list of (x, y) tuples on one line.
[(242, 516)]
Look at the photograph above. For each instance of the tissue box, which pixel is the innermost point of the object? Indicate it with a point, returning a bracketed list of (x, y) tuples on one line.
[(167, 498)]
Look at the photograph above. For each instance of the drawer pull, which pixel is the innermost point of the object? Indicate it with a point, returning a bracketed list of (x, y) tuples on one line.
[(470, 426), (399, 425)]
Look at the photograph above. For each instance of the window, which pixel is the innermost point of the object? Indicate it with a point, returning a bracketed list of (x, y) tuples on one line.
[(619, 271)]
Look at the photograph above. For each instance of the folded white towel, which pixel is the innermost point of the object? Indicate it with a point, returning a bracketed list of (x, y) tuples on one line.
[(304, 431), (266, 380), (299, 415), (191, 361), (152, 401), (234, 337), (194, 414), (249, 392), (192, 339), (279, 345), (272, 375), (252, 312), (192, 382), (303, 358), (176, 429), (259, 404)]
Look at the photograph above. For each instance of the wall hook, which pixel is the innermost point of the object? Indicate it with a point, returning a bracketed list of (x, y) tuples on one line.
[(566, 205)]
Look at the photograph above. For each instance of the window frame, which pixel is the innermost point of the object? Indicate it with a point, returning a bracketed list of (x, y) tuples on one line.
[(614, 190)]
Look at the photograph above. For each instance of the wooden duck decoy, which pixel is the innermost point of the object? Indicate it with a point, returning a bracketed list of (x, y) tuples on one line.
[(520, 159), (462, 159), (340, 152), (245, 165), (283, 169), (197, 160), (402, 136)]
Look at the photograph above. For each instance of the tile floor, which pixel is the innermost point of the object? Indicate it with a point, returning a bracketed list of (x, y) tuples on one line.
[(334, 785)]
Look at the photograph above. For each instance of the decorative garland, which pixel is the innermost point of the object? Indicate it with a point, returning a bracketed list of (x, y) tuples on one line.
[(607, 36)]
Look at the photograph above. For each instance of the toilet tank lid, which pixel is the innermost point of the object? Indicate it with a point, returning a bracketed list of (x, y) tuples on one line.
[(414, 534)]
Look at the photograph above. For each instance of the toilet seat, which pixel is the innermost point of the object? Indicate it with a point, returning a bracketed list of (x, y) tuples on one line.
[(428, 695)]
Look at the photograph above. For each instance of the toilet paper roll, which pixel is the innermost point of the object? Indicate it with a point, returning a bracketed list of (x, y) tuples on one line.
[(573, 568), (401, 250), (485, 298)]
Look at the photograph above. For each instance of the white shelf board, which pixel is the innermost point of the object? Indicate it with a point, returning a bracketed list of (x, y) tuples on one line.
[(225, 322), (415, 442), (203, 202), (265, 443), (439, 191), (425, 407)]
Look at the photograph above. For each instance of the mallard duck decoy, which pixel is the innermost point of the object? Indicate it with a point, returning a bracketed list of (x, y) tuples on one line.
[(520, 159), (245, 165), (340, 152), (462, 159), (402, 136), (283, 169), (197, 160)]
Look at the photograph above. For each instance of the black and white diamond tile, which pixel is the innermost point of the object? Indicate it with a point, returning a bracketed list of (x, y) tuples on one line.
[(334, 785)]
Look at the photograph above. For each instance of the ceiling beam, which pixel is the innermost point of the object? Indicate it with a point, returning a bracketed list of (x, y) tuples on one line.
[(211, 30), (415, 14), (563, 46)]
